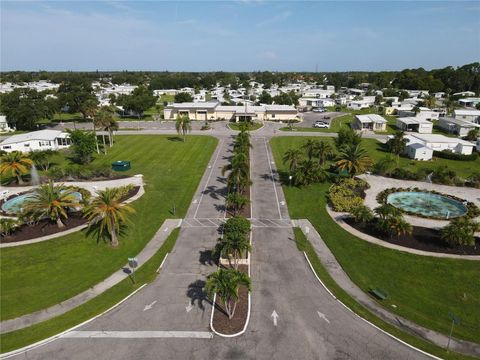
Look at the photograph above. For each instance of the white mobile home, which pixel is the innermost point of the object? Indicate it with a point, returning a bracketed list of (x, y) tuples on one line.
[(468, 115), (371, 122), (438, 142), (457, 126), (419, 151), (414, 124), (37, 140)]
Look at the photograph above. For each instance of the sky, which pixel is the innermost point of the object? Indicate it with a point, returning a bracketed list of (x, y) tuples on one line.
[(237, 35)]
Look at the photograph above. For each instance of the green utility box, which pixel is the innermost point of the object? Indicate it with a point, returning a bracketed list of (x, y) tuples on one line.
[(121, 165)]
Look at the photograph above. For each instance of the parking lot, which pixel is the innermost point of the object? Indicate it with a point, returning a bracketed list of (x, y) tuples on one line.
[(309, 118)]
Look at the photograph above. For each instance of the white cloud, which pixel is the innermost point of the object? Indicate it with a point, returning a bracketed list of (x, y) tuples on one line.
[(284, 15)]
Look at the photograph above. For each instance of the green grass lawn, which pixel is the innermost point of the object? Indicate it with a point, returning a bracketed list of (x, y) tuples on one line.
[(424, 289), (251, 127), (40, 275)]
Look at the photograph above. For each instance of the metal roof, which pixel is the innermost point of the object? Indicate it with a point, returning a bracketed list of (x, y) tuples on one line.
[(46, 135)]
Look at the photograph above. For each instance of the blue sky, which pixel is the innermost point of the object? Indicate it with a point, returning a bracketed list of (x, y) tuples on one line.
[(238, 35)]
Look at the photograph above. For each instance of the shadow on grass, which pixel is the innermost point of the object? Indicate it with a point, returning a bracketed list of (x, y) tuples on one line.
[(175, 138)]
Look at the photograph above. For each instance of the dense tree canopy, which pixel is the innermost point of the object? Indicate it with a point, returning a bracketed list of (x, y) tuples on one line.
[(140, 100)]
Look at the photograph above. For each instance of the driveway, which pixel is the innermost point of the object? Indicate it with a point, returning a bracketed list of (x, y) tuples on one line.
[(310, 117)]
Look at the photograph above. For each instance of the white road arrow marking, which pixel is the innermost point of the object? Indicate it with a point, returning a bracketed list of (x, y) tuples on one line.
[(166, 229), (149, 306), (282, 203), (274, 316), (189, 307), (322, 316)]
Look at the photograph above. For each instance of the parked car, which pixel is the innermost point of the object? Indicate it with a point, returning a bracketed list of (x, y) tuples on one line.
[(321, 125), (318, 110)]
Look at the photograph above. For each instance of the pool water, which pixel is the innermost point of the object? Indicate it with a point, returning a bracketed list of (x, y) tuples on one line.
[(14, 205), (427, 204)]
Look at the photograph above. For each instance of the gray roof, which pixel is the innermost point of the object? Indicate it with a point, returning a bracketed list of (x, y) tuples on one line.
[(45, 135), (369, 118)]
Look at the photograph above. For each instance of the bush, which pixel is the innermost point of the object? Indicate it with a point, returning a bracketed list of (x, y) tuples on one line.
[(8, 226), (403, 174), (443, 175), (460, 231), (237, 224), (347, 194), (362, 214), (453, 156)]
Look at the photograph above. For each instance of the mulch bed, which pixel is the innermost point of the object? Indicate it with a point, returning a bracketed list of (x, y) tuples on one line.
[(227, 326), (422, 238), (43, 228), (46, 227)]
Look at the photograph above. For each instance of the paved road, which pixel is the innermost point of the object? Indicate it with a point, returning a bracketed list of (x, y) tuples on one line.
[(310, 117)]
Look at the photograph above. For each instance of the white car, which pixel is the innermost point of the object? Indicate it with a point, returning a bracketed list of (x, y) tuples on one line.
[(321, 125), (319, 110)]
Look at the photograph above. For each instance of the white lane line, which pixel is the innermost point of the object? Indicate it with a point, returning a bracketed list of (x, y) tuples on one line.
[(273, 178), (220, 147), (138, 334)]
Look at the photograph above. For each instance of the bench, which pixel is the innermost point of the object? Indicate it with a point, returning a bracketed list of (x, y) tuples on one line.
[(379, 293)]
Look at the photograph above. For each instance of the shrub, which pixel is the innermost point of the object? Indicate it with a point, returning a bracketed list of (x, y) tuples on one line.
[(443, 175), (237, 224), (403, 174), (8, 226), (362, 214), (460, 231), (453, 156), (347, 194)]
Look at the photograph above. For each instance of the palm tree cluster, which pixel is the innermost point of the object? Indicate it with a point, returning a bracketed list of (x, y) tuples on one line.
[(234, 244), (238, 179), (386, 218), (460, 231), (352, 158), (305, 164), (106, 214), (183, 125)]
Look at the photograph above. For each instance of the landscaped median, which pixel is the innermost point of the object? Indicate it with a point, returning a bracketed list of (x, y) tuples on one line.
[(230, 286)]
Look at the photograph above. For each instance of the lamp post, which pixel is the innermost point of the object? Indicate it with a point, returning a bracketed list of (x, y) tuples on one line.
[(290, 179), (133, 263)]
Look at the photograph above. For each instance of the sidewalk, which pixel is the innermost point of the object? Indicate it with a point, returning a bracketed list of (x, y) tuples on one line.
[(148, 251), (341, 278)]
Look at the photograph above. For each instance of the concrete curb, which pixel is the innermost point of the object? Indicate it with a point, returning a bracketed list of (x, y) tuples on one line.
[(368, 322), (373, 240), (57, 336)]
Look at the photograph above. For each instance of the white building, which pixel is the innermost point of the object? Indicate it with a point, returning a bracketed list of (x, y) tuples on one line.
[(37, 140), (318, 93), (4, 124), (438, 142), (419, 151), (469, 101), (359, 104), (372, 122), (215, 111), (423, 113), (315, 102), (414, 124), (468, 115), (457, 126)]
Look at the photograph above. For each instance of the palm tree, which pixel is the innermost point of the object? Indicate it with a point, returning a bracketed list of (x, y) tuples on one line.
[(239, 175), (362, 214), (293, 158), (232, 246), (354, 159), (323, 151), (52, 201), (460, 231), (399, 226), (386, 210), (225, 283), (108, 214), (386, 165), (235, 202), (310, 147), (15, 164), (183, 125)]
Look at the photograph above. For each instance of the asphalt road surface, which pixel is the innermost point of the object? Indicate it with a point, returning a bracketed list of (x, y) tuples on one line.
[(292, 317)]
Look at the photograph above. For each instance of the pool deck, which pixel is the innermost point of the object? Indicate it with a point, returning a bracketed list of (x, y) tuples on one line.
[(380, 183)]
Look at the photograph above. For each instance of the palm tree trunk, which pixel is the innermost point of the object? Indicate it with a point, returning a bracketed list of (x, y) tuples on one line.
[(20, 180), (110, 137), (104, 145), (60, 224), (114, 241)]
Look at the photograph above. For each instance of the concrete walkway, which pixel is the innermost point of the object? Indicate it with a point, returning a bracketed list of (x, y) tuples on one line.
[(148, 251), (341, 278), (339, 217)]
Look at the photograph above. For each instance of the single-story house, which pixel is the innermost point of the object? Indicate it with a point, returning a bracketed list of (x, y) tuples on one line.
[(419, 151), (215, 111), (457, 126), (37, 140), (359, 104), (423, 113), (371, 122), (468, 115), (318, 93), (315, 102), (464, 93), (438, 142), (469, 101), (414, 124)]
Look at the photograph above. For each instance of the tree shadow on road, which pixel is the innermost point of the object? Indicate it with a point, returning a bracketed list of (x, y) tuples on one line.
[(197, 295)]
